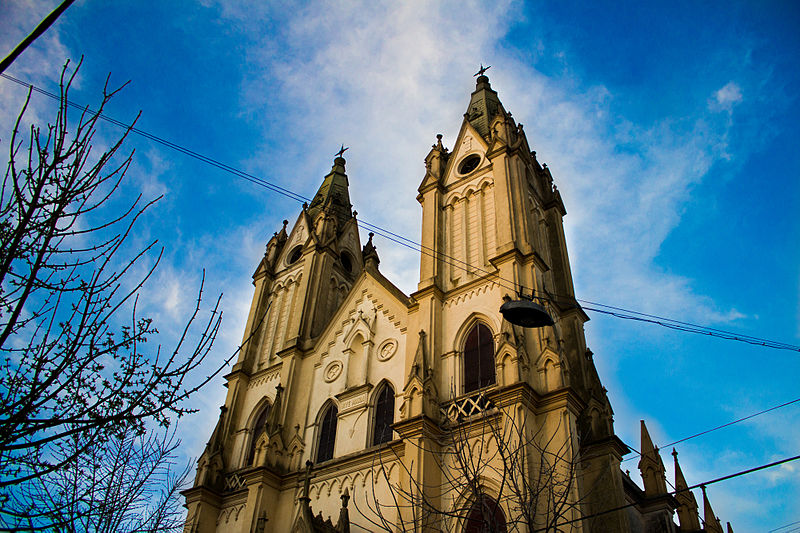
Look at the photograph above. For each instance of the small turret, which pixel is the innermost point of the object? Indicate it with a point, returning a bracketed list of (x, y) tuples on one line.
[(687, 505), (370, 255), (652, 468), (712, 523), (435, 161)]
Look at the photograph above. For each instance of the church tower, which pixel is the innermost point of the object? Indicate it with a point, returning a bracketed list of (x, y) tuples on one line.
[(353, 406), (492, 231)]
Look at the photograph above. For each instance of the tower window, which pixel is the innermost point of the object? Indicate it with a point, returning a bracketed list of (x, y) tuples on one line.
[(384, 416), (297, 251), (485, 516), (479, 365), (327, 434), (469, 163)]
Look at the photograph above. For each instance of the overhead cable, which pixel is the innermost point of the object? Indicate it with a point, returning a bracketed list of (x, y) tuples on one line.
[(596, 307)]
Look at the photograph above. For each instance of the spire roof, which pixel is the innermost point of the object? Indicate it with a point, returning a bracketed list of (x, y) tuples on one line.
[(687, 508), (680, 481), (710, 519), (483, 105), (334, 193), (647, 442), (651, 466)]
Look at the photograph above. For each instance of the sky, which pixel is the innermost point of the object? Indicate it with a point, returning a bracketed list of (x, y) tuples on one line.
[(670, 129)]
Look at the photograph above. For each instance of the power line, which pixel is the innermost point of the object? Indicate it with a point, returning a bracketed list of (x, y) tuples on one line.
[(748, 417), (596, 307), (783, 527), (695, 486)]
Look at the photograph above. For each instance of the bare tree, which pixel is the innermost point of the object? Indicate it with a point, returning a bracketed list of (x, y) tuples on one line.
[(79, 378), (127, 483), (534, 470)]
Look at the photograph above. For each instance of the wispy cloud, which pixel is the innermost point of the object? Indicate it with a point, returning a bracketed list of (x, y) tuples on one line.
[(727, 97)]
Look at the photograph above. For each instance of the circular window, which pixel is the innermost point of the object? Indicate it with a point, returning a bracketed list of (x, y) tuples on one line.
[(469, 163), (347, 262), (295, 255)]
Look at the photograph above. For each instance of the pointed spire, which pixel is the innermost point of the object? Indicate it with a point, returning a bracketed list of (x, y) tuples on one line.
[(274, 416), (420, 368), (652, 468), (687, 505), (333, 195), (343, 525), (216, 442), (730, 529), (307, 482), (435, 163), (370, 255), (282, 235), (483, 105), (712, 523)]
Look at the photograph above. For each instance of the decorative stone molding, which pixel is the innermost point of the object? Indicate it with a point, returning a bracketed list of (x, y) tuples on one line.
[(332, 371), (387, 349)]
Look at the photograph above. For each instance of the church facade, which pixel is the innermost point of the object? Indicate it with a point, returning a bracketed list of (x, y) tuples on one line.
[(356, 407)]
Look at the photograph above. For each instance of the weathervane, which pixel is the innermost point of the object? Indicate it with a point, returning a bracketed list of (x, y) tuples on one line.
[(482, 70), (341, 151)]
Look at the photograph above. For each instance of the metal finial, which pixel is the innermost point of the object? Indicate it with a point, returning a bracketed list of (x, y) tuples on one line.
[(482, 70), (342, 150)]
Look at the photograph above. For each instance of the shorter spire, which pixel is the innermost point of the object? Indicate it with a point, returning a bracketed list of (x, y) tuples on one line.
[(370, 255), (274, 416), (652, 468), (687, 505), (712, 523)]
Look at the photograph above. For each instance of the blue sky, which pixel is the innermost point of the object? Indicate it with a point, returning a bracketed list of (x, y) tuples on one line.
[(671, 130)]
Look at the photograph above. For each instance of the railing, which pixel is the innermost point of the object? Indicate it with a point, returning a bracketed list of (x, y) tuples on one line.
[(233, 482), (467, 406)]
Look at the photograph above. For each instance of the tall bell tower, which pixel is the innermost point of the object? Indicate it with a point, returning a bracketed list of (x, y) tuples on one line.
[(492, 231)]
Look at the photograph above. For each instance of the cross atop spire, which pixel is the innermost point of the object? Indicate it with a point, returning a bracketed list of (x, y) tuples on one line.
[(341, 151), (482, 70)]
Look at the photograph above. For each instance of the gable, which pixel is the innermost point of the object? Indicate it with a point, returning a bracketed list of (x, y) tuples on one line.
[(299, 236), (369, 299), (468, 143)]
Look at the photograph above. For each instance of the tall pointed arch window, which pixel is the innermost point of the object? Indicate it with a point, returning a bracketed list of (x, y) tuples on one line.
[(384, 415), (479, 368), (485, 516), (327, 434), (258, 429)]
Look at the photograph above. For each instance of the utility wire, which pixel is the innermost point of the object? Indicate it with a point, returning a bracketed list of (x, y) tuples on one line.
[(695, 486), (783, 527), (748, 417), (614, 311)]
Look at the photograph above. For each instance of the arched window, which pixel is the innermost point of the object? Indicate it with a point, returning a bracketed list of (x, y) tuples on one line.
[(478, 358), (485, 516), (384, 416), (258, 429), (327, 434)]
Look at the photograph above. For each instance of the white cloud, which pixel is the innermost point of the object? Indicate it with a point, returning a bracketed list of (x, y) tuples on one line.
[(728, 96), (384, 79)]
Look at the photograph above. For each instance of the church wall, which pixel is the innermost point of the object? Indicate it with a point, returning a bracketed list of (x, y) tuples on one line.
[(333, 335), (363, 351)]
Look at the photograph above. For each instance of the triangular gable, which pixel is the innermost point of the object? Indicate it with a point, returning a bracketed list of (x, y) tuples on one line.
[(385, 297), (299, 236), (468, 141)]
